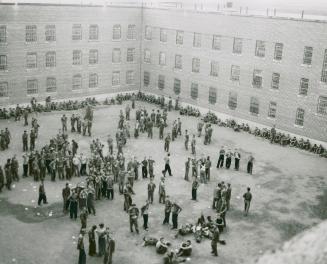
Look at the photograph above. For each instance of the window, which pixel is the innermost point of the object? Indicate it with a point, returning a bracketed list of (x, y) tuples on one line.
[(197, 40), (77, 32), (178, 62), (179, 37), (77, 82), (93, 56), (214, 69), (116, 78), (116, 55), (3, 62), (272, 109), (51, 85), (260, 48), (77, 57), (235, 73), (161, 82), (146, 78), (93, 80), (304, 85), (131, 32), (93, 32), (216, 42), (278, 55), (50, 59), (324, 69), (257, 79), (3, 34), (31, 60), (232, 100), (162, 59), (322, 105), (4, 89), (148, 33), (147, 56), (195, 65), (130, 55), (254, 106), (50, 33), (31, 34), (299, 117), (177, 86), (212, 95), (275, 81), (130, 77), (194, 91), (163, 35), (307, 55), (32, 86), (237, 46), (116, 32)]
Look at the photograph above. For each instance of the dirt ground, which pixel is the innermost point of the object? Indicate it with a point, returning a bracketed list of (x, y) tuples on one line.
[(288, 187)]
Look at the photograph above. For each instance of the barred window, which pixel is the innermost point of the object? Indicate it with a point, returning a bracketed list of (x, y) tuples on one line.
[(4, 89), (51, 85), (216, 42), (77, 57), (179, 37), (93, 56), (197, 40), (50, 59), (214, 68), (212, 95), (324, 69), (275, 81), (93, 80), (235, 73), (307, 55), (77, 82), (116, 55), (272, 109), (147, 56), (232, 100), (194, 91), (195, 65), (254, 106), (278, 55), (177, 86), (304, 86), (299, 117), (163, 35), (130, 55), (93, 32), (116, 32), (178, 62), (237, 46), (3, 34), (161, 82), (31, 60), (322, 105), (148, 33), (260, 48), (32, 86), (116, 78), (162, 59), (3, 62), (50, 33), (31, 33), (257, 79), (146, 78), (77, 32), (131, 32), (130, 77)]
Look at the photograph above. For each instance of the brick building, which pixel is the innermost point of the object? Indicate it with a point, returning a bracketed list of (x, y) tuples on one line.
[(267, 70)]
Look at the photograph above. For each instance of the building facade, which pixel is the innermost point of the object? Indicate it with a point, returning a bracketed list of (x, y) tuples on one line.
[(262, 69)]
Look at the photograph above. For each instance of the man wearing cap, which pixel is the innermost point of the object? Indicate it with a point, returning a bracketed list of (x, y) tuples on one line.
[(65, 196), (167, 210), (176, 209), (133, 212), (25, 141), (151, 188)]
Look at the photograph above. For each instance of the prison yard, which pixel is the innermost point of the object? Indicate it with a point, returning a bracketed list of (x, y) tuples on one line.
[(288, 186)]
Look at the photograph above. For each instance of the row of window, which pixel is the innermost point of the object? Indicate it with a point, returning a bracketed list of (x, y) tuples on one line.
[(32, 85), (50, 33), (232, 101), (50, 58)]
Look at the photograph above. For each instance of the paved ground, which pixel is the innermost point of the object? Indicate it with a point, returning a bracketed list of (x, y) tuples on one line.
[(287, 185)]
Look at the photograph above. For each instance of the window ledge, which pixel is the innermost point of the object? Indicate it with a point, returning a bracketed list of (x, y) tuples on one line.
[(306, 65), (253, 114), (277, 61), (302, 96), (274, 90), (237, 54), (298, 126), (32, 95), (77, 90), (320, 115), (116, 40), (271, 118), (130, 39)]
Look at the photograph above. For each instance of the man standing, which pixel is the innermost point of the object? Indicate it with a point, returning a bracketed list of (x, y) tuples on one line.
[(72, 123), (133, 216), (176, 209), (187, 139), (151, 188), (250, 164), (228, 195), (237, 156), (110, 188), (187, 168), (167, 166), (273, 134), (167, 142), (167, 210), (145, 214), (221, 158), (64, 123), (200, 126), (247, 201), (110, 249), (65, 196), (145, 168), (228, 159), (193, 143), (32, 139), (25, 141), (110, 144), (42, 196), (214, 241), (207, 168), (150, 163), (90, 200), (195, 186), (80, 247), (162, 190)]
